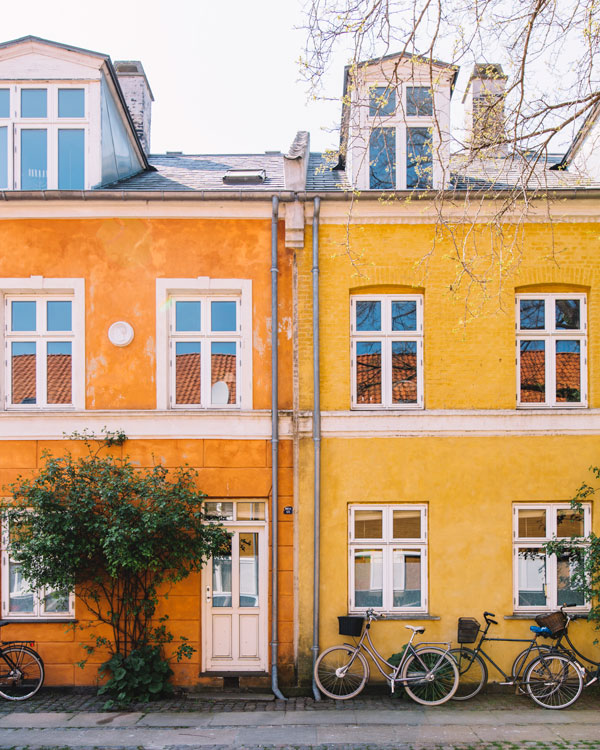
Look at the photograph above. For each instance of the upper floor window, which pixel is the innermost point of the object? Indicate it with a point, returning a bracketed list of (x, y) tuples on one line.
[(551, 349), (43, 132), (387, 351)]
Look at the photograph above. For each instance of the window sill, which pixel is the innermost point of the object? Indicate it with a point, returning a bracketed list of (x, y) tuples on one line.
[(400, 616), (38, 620), (533, 615)]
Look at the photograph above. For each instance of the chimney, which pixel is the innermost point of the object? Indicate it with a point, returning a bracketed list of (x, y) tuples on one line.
[(138, 95), (484, 110)]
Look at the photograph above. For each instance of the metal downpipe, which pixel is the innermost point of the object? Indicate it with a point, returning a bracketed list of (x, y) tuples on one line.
[(274, 451), (316, 439)]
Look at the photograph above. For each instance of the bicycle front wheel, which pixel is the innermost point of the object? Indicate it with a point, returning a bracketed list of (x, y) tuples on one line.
[(524, 659), (472, 673), (21, 672), (430, 676), (341, 672), (553, 681)]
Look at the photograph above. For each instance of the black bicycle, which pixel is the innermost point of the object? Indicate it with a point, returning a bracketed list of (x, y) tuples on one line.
[(21, 669)]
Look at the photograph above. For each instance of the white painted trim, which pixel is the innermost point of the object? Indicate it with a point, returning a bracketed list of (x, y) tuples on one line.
[(131, 209)]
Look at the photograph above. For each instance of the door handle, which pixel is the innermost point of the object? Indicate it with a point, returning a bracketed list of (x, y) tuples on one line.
[(208, 596)]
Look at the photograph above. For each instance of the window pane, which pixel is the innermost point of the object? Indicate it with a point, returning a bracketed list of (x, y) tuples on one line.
[(407, 524), (407, 578), (34, 103), (34, 160), (4, 102), (20, 596), (248, 570), (56, 602), (368, 315), (532, 314), (532, 578), (3, 158), (71, 103), (58, 316), (59, 372), (533, 371), (568, 371), (23, 316), (223, 316), (187, 372), (368, 578), (567, 314), (223, 372), (419, 101), (569, 523), (250, 511), (566, 591), (532, 523), (368, 524), (222, 511), (187, 316), (23, 373), (419, 163), (404, 315), (382, 159), (221, 578), (71, 159), (404, 372), (368, 372), (382, 101)]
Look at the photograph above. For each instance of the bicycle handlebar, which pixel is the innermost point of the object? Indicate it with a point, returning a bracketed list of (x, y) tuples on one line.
[(487, 616)]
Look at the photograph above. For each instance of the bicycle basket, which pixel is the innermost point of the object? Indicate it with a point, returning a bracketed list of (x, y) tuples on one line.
[(351, 625), (554, 621), (468, 628)]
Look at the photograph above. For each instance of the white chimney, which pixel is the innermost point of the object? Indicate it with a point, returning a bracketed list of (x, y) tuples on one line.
[(138, 95), (484, 108)]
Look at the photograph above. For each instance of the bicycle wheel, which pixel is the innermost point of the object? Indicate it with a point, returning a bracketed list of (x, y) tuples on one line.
[(553, 681), (472, 673), (341, 672), (523, 660), (21, 672), (430, 676)]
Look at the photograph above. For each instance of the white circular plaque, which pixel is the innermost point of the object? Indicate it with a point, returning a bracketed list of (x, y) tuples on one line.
[(120, 333)]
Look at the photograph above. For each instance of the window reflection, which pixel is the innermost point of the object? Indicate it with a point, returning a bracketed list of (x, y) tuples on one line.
[(419, 161), (382, 101), (368, 578), (532, 314), (59, 369), (34, 160), (34, 103), (368, 372), (221, 578), (248, 569), (58, 314), (404, 315), (187, 372), (382, 159), (567, 314), (71, 103), (71, 159), (533, 371), (419, 101), (223, 372), (368, 524), (368, 315), (532, 523), (187, 316), (407, 578), (23, 366), (404, 372), (23, 316), (532, 578), (568, 371), (223, 316)]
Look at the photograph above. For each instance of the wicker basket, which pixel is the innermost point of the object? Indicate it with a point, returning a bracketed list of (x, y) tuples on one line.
[(351, 625), (468, 628), (554, 621)]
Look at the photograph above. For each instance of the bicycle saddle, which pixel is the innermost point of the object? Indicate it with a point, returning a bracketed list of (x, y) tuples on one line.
[(417, 629), (540, 631)]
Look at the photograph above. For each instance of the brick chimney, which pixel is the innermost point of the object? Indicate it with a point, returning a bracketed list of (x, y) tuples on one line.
[(138, 95), (484, 108)]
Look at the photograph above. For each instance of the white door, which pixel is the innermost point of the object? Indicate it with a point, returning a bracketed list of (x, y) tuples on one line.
[(235, 604)]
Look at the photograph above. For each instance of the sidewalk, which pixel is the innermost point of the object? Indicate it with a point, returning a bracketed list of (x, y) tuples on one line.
[(496, 721)]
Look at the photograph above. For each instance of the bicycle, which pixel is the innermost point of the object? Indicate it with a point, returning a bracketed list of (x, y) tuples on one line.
[(472, 668), (21, 670), (427, 673)]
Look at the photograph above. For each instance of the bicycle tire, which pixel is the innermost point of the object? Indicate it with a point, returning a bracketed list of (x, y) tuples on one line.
[(341, 672), (30, 667), (472, 673), (554, 681), (439, 675), (520, 664)]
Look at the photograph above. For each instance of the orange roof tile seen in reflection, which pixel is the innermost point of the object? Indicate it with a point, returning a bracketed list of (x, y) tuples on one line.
[(568, 376), (404, 378), (188, 376), (59, 377)]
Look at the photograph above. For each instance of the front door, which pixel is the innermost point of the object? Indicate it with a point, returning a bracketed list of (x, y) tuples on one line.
[(235, 604)]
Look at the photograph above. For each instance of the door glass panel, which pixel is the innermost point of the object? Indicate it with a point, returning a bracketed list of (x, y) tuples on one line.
[(219, 511), (58, 316), (223, 372), (368, 316), (71, 159), (568, 371), (407, 524), (532, 578), (533, 371), (567, 314), (248, 569), (404, 315), (404, 372), (3, 158), (407, 578), (532, 523), (368, 372), (223, 316), (34, 103), (221, 578), (71, 103), (368, 578), (187, 372), (569, 523), (368, 524), (22, 316), (187, 316), (566, 592), (20, 596), (23, 372), (59, 372), (250, 511), (34, 160), (4, 102)]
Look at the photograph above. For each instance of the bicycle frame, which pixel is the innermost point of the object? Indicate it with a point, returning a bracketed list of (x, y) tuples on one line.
[(573, 650)]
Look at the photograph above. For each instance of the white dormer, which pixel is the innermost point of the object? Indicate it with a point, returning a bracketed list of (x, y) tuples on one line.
[(64, 124), (396, 123)]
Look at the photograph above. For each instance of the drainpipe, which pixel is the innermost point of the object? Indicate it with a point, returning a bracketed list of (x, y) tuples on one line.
[(316, 439), (274, 451)]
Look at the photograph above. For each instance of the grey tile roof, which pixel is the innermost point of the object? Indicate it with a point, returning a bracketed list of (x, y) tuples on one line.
[(321, 175), (197, 172)]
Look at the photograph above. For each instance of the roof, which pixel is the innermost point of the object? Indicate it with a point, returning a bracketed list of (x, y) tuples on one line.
[(322, 174)]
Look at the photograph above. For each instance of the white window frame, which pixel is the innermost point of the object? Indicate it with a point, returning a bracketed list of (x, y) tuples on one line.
[(386, 336), (550, 335), (388, 544), (202, 289), (519, 543), (39, 611), (42, 289)]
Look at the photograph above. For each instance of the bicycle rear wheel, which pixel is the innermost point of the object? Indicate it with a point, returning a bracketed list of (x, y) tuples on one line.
[(21, 672), (523, 660), (553, 681), (430, 676), (472, 673), (341, 672)]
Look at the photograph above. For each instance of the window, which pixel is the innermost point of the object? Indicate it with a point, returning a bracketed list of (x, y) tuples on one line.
[(388, 558), (551, 350), (382, 101), (43, 340), (387, 351), (206, 349), (419, 158), (419, 101), (543, 581), (382, 159), (20, 601)]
